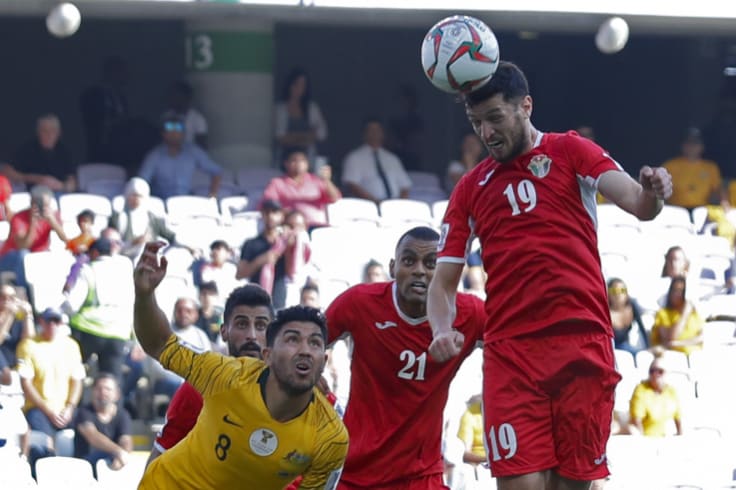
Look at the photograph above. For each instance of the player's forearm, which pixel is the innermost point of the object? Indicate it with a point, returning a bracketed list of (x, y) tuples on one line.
[(440, 308), (75, 392), (151, 325), (100, 441), (648, 205)]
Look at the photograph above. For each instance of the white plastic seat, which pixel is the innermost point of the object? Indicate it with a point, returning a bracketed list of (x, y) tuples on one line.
[(625, 363), (350, 210), (91, 172), (18, 201), (107, 188), (399, 211), (64, 442), (612, 215), (155, 204), (699, 216), (671, 217), (424, 179), (179, 208), (438, 210), (64, 472), (232, 205), (70, 205), (127, 477), (198, 231), (46, 273), (719, 332), (718, 307)]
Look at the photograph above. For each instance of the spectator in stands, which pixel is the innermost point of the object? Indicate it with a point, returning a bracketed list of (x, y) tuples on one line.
[(16, 323), (372, 172), (180, 102), (80, 243), (698, 181), (51, 373), (298, 255), (137, 224), (262, 259), (102, 428), (625, 316), (220, 269), (210, 311), (470, 432), (101, 310), (6, 190), (30, 231), (104, 106), (374, 272), (184, 325), (310, 296), (45, 160), (471, 153), (169, 168), (678, 326), (298, 121), (5, 373), (300, 190), (654, 404)]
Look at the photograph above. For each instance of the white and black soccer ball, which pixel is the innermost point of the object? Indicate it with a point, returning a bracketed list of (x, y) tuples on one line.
[(63, 20), (459, 54)]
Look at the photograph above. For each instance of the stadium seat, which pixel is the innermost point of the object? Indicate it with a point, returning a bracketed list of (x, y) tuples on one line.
[(64, 443), (91, 172), (625, 363), (438, 211), (225, 190), (70, 205), (427, 194), (671, 217), (250, 177), (198, 231), (719, 307), (718, 333), (232, 205), (699, 217), (424, 179), (125, 478), (612, 215), (46, 273), (349, 210), (400, 212), (16, 472), (180, 208), (62, 472), (107, 188)]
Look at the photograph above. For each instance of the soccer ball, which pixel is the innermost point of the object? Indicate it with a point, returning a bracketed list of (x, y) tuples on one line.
[(459, 54), (63, 20), (612, 35)]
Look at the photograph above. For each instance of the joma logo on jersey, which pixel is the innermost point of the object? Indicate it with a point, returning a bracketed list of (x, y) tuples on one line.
[(540, 165), (263, 442)]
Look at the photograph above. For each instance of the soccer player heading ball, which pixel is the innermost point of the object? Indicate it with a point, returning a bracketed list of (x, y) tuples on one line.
[(549, 375)]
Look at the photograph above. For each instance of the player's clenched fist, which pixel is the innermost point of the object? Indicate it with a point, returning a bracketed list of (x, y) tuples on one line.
[(446, 345), (150, 270), (657, 180)]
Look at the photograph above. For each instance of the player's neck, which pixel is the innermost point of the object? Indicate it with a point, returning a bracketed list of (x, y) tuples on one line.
[(282, 406)]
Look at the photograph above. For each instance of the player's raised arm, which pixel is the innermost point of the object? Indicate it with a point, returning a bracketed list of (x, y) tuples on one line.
[(643, 199), (151, 325), (441, 311)]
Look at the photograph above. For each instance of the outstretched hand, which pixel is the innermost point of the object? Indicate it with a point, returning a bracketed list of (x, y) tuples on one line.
[(446, 345), (656, 180), (150, 270)]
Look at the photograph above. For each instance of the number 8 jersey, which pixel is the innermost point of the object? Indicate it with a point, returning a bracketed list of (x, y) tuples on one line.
[(397, 391), (536, 218), (236, 443)]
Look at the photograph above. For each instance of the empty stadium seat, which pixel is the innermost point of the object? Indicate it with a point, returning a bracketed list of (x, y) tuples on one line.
[(179, 208), (91, 172), (399, 212), (350, 210), (63, 472), (46, 273)]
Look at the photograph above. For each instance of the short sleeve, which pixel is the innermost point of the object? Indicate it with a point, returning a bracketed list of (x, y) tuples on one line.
[(465, 431), (205, 163), (84, 415), (338, 314), (351, 169), (326, 468), (589, 160), (208, 372), (24, 357), (637, 406)]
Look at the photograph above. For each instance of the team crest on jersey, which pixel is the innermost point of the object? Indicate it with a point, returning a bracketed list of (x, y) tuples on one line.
[(444, 230), (540, 165), (263, 442)]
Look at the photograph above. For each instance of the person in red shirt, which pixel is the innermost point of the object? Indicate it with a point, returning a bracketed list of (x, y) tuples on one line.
[(30, 231), (548, 366), (398, 393), (300, 190), (248, 311)]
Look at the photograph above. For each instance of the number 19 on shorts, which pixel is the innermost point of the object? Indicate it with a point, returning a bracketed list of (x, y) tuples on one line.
[(502, 442)]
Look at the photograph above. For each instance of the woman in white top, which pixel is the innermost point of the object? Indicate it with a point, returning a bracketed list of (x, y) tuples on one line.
[(299, 124)]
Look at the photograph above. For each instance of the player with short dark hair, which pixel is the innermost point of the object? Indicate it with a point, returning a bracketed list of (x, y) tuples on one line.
[(549, 375), (263, 423), (398, 393)]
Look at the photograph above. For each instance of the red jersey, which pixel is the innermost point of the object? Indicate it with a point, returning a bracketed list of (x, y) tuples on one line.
[(535, 218), (181, 416), (41, 232), (398, 392)]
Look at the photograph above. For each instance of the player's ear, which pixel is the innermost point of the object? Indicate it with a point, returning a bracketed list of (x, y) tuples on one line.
[(391, 264), (224, 331), (266, 353)]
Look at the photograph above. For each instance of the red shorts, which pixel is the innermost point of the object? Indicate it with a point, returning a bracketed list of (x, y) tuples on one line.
[(429, 482), (547, 403)]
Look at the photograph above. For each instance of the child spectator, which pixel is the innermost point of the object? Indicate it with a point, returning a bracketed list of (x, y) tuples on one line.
[(80, 243)]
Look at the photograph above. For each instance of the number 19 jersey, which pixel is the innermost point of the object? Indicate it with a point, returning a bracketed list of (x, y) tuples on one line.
[(397, 391), (236, 443)]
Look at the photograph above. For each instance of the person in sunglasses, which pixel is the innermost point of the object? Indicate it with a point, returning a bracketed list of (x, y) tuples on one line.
[(655, 404), (170, 167)]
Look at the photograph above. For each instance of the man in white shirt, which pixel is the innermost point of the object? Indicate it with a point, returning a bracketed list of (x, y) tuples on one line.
[(372, 172)]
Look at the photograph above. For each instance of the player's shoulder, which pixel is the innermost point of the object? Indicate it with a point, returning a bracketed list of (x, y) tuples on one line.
[(327, 421), (251, 368), (376, 289)]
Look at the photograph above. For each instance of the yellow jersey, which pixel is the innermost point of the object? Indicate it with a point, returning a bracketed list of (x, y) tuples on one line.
[(471, 430), (667, 318), (236, 443), (693, 183), (655, 410)]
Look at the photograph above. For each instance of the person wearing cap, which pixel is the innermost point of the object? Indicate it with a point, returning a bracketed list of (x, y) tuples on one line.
[(170, 167), (262, 259), (51, 374), (136, 223), (698, 180), (655, 404), (100, 305)]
